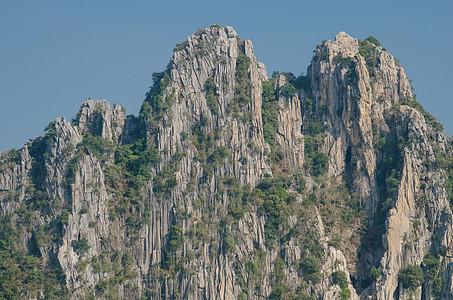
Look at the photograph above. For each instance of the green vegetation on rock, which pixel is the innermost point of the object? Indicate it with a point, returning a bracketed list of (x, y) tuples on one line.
[(340, 278), (274, 203), (269, 111), (243, 85), (211, 95), (412, 102), (23, 272), (367, 49), (411, 277), (185, 205), (431, 265)]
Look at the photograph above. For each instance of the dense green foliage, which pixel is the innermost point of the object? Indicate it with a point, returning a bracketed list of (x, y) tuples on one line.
[(22, 271), (202, 140), (274, 204), (211, 95), (157, 102), (243, 85), (97, 146), (294, 83), (312, 125), (279, 289), (287, 90), (320, 164), (156, 97), (323, 53), (238, 195), (136, 161), (373, 40), (171, 260), (132, 168), (36, 196), (175, 238), (269, 112), (80, 246), (14, 156), (339, 278), (411, 277), (217, 157), (316, 161), (367, 49), (349, 64), (37, 151), (96, 124), (431, 264), (375, 272), (311, 268), (389, 174)]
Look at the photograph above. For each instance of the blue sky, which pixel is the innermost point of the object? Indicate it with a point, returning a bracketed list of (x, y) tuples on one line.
[(56, 54)]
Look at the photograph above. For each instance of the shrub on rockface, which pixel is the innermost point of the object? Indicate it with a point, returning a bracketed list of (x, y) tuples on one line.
[(373, 40), (432, 264), (411, 277), (273, 201), (340, 278), (97, 146), (269, 111), (243, 85), (243, 90), (288, 90), (311, 268), (211, 95), (320, 164), (80, 246), (156, 95), (367, 50)]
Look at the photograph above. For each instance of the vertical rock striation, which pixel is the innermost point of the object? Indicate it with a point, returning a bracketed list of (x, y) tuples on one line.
[(233, 185)]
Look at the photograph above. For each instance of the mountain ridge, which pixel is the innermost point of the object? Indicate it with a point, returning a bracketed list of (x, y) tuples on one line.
[(230, 184)]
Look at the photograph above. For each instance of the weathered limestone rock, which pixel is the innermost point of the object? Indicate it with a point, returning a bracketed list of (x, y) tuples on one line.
[(191, 220), (289, 135), (99, 118)]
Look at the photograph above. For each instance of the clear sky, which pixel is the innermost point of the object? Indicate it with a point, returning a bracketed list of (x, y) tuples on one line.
[(55, 54)]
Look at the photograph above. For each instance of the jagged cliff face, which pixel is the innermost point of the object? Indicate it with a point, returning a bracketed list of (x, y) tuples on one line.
[(357, 94), (233, 185)]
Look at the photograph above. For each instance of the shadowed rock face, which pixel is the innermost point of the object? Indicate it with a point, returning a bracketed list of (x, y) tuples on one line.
[(230, 184)]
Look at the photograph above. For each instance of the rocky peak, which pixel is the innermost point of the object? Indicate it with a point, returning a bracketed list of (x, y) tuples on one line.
[(99, 118), (230, 185), (344, 45), (214, 48), (353, 84), (213, 79)]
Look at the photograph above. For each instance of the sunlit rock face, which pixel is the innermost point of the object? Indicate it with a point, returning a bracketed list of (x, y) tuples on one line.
[(233, 185)]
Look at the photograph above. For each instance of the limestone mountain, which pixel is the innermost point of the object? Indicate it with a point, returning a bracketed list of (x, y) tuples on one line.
[(336, 184)]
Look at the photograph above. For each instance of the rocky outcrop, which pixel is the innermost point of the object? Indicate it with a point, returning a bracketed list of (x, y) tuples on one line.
[(289, 135), (232, 185), (352, 102), (100, 118), (213, 53), (359, 102)]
